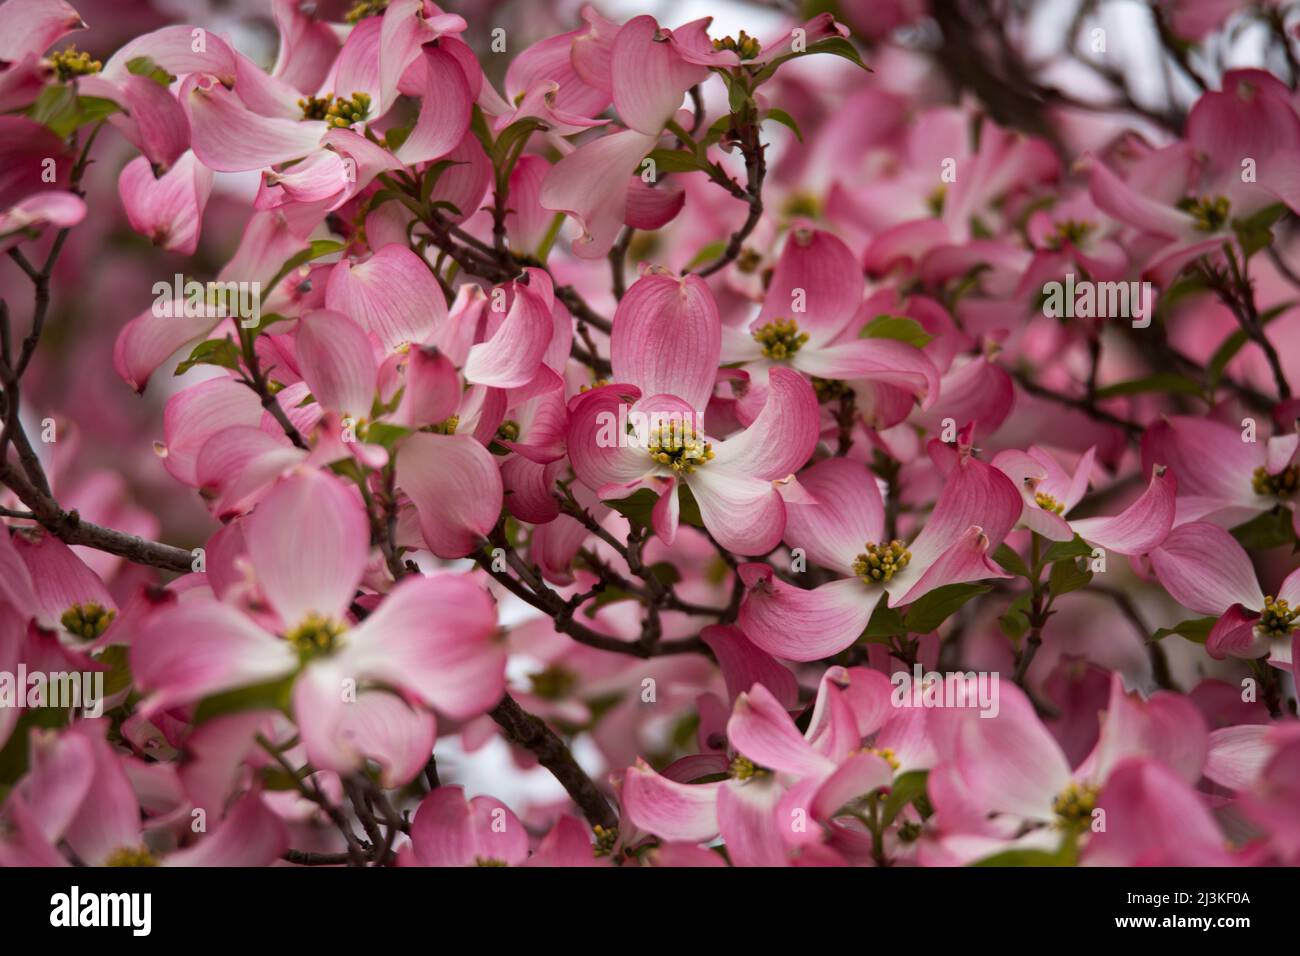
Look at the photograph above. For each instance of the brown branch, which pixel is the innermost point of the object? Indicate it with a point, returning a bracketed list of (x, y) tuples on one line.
[(530, 732)]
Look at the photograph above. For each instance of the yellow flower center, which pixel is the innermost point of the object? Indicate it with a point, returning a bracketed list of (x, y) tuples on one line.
[(780, 338), (677, 446), (1072, 231), (336, 110), (1074, 804), (71, 63), (1281, 485), (744, 46), (742, 768), (316, 636), (508, 431), (1048, 503), (880, 562), (365, 8), (886, 754), (87, 620), (131, 856), (605, 840), (1210, 214), (1278, 618)]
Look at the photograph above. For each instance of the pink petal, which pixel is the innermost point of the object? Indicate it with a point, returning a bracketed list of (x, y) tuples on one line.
[(450, 831), (650, 208), (309, 541), (601, 452), (1141, 526), (667, 338), (590, 184), (1204, 568), (337, 362), (340, 734), (846, 514), (1154, 819), (816, 269), (192, 417), (168, 211), (456, 488), (1233, 635), (222, 650), (435, 638), (649, 77), (746, 515), (433, 389), (444, 107), (882, 361), (744, 664), (747, 820), (393, 294), (800, 625), (566, 845), (761, 729), (782, 438), (151, 337), (856, 777), (512, 356), (35, 25), (229, 138), (250, 835), (671, 810)]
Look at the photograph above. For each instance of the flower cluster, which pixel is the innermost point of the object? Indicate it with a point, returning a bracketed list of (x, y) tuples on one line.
[(861, 471)]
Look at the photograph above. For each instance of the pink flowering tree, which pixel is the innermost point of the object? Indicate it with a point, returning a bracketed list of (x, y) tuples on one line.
[(546, 435)]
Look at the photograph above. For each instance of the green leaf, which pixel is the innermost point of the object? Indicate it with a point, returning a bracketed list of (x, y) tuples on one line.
[(512, 140), (1195, 629), (385, 434), (786, 120), (676, 161), (1060, 550), (118, 677), (1269, 529), (886, 622), (1009, 560), (838, 46), (638, 507), (273, 695), (145, 66), (315, 250), (222, 352), (1023, 858), (707, 254), (611, 595), (897, 327), (1066, 576), (1164, 382), (63, 111), (907, 788), (665, 572), (931, 610)]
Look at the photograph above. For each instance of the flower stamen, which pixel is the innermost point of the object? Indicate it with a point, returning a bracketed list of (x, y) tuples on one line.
[(880, 562), (780, 338)]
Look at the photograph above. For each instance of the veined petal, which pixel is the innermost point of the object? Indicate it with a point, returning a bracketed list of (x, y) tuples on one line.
[(1142, 525), (434, 637), (1204, 568), (762, 729), (35, 25), (449, 830), (337, 362), (222, 650), (783, 437), (744, 664), (845, 514), (513, 355), (250, 835), (882, 361), (671, 810), (745, 514), (393, 294), (819, 273), (800, 625), (432, 392), (169, 210), (309, 541), (590, 184), (603, 453), (152, 336), (649, 77), (228, 137), (456, 488), (444, 107)]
